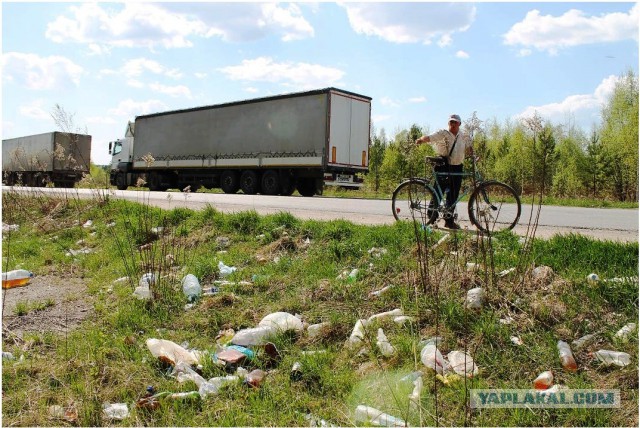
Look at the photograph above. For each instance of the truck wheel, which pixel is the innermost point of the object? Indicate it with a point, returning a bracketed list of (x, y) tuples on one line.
[(121, 181), (306, 186), (229, 182), (271, 183), (249, 182), (153, 181)]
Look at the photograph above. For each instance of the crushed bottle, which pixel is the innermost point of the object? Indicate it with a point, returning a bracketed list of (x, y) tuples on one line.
[(613, 358), (376, 417)]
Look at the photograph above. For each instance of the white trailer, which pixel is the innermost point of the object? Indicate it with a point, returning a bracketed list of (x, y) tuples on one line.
[(55, 157), (270, 145)]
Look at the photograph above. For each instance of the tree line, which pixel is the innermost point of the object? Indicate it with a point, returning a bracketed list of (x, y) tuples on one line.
[(533, 154)]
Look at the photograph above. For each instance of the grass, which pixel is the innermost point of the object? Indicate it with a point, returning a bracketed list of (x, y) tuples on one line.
[(296, 265)]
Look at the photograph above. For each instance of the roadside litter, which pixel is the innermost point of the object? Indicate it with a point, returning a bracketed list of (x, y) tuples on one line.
[(115, 411), (16, 278), (613, 358), (624, 332), (376, 417), (566, 356), (225, 270)]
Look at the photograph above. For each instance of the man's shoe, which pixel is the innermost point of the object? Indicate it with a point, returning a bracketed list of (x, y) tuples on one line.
[(450, 224)]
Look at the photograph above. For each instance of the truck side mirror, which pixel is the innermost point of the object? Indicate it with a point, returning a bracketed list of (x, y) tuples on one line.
[(110, 147)]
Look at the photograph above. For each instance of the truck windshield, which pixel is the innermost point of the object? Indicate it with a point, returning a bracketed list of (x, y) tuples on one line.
[(117, 148)]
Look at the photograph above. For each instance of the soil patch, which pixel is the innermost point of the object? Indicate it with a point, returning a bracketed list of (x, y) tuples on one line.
[(71, 304)]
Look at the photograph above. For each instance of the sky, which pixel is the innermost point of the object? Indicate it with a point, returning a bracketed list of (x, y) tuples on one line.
[(106, 63)]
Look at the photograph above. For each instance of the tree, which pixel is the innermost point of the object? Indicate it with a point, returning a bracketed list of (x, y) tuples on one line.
[(376, 157), (619, 135)]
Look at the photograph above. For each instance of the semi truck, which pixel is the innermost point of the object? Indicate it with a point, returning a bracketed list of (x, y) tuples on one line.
[(60, 158), (272, 145)]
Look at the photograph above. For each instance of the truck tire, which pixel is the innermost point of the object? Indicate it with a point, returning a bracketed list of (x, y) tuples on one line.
[(271, 183), (121, 181), (249, 182), (229, 182), (306, 186), (153, 181)]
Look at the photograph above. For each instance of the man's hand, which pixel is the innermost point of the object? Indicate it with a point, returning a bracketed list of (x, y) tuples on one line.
[(422, 140)]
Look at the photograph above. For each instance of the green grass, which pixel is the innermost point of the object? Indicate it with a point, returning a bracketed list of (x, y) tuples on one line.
[(106, 359)]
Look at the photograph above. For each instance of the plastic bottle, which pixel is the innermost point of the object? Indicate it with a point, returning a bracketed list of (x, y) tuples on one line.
[(544, 380), (566, 357), (584, 340), (16, 278), (624, 332), (592, 278), (191, 288), (377, 417), (296, 371), (383, 344), (620, 359), (255, 378), (253, 336)]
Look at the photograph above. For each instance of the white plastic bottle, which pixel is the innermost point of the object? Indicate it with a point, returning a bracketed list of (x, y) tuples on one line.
[(615, 358), (191, 288), (16, 278), (376, 417)]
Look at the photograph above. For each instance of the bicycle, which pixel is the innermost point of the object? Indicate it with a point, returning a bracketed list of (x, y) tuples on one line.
[(493, 206)]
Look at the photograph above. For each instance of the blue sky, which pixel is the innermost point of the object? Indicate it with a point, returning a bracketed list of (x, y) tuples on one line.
[(109, 62)]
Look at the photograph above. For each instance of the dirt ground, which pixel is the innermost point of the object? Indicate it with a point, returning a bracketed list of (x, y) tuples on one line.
[(71, 305)]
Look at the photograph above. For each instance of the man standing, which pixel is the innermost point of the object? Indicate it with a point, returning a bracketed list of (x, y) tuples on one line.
[(452, 145)]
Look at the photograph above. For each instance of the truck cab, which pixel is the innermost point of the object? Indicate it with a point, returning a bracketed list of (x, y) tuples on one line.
[(121, 152)]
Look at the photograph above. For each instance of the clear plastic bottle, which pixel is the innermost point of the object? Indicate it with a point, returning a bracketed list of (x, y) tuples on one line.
[(544, 380), (191, 288), (607, 357), (16, 278), (566, 357), (376, 417)]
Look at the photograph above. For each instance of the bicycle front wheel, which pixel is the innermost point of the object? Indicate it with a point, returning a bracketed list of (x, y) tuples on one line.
[(414, 200), (494, 207)]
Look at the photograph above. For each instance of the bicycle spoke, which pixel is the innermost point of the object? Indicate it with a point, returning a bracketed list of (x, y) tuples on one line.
[(494, 207), (411, 201)]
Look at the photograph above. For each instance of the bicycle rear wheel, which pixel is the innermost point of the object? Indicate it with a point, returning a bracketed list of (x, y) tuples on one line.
[(411, 201), (494, 207)]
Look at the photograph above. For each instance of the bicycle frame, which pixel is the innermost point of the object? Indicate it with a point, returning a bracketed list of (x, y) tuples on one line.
[(440, 193)]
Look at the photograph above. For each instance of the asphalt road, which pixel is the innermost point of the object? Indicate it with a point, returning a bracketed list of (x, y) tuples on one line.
[(602, 223)]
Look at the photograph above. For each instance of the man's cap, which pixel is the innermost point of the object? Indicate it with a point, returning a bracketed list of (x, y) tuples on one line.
[(455, 118)]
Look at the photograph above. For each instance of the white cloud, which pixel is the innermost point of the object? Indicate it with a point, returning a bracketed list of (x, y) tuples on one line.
[(200, 75), (583, 107), (552, 33), (300, 75), (462, 55), (132, 108), (388, 102), (173, 91), (36, 72), (102, 120), (35, 110), (410, 22), (251, 90), (136, 67), (174, 25), (134, 25), (418, 100)]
